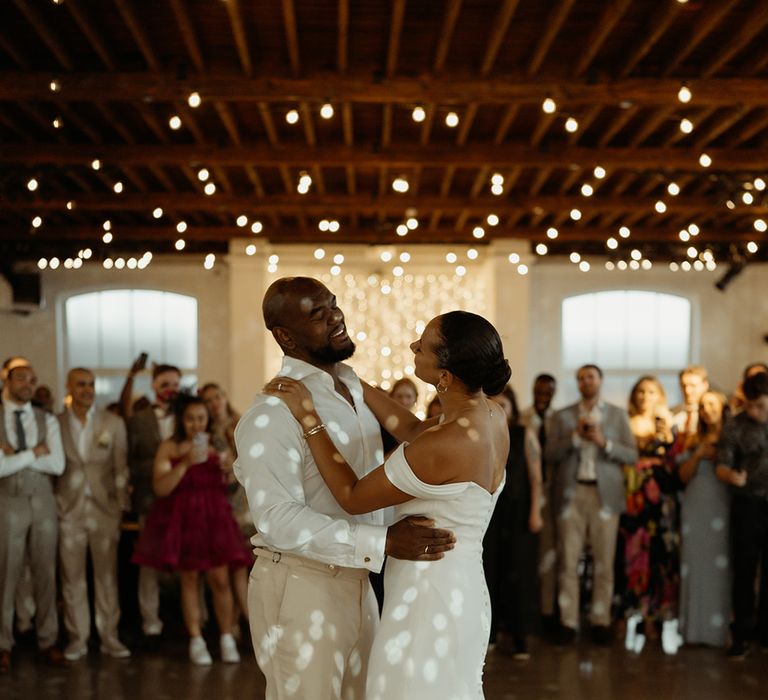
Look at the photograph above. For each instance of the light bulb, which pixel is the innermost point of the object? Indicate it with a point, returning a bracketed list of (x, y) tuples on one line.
[(673, 188), (704, 160), (587, 190), (292, 116), (684, 94), (326, 111), (478, 232), (571, 125), (492, 220), (612, 243), (418, 114), (599, 172), (181, 226), (194, 100), (624, 232), (575, 214), (175, 122), (107, 237), (209, 188), (333, 226), (412, 223), (203, 174), (32, 184), (541, 249), (118, 187), (686, 126), (552, 233), (37, 222), (96, 164), (549, 105), (242, 221), (180, 244), (660, 207), (257, 227), (452, 120)]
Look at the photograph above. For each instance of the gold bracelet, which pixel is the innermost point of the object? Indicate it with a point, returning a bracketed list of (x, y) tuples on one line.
[(314, 431)]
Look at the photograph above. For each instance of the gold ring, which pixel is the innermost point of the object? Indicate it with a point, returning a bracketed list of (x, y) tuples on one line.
[(426, 549), (279, 386)]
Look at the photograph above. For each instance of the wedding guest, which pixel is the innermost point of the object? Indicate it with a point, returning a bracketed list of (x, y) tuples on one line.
[(43, 398), (30, 454), (587, 446), (147, 427), (742, 462), (705, 552), (510, 543), (91, 496), (736, 402), (190, 528), (224, 419), (434, 408), (649, 540), (537, 417), (404, 391), (694, 381)]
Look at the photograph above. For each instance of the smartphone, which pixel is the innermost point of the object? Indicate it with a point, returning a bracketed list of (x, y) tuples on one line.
[(141, 362), (200, 447)]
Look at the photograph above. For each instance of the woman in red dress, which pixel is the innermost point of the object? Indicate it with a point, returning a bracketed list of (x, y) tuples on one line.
[(190, 528)]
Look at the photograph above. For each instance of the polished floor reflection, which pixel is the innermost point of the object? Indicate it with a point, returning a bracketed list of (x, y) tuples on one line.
[(552, 673)]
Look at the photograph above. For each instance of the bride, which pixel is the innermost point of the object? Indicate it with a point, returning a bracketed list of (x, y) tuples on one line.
[(435, 623)]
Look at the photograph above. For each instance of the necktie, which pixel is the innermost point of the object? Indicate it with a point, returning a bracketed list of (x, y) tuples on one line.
[(21, 438)]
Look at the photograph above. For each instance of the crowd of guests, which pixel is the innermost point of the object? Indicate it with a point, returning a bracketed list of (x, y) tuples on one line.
[(69, 481), (652, 521), (648, 521)]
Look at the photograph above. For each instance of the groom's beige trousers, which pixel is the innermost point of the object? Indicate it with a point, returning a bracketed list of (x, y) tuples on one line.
[(312, 626)]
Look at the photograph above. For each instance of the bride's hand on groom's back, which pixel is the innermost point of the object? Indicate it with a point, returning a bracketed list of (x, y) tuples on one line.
[(295, 395), (415, 538)]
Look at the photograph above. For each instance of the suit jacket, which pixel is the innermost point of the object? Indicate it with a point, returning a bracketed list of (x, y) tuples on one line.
[(143, 441), (564, 456), (104, 468)]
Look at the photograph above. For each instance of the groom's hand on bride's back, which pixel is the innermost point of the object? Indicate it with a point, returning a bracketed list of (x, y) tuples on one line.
[(415, 538)]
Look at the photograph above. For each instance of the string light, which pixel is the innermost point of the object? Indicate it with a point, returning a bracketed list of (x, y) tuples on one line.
[(575, 257), (472, 254), (70, 205), (203, 174), (209, 189), (175, 122), (660, 207), (32, 184), (107, 237), (54, 86), (292, 116), (704, 160), (338, 258), (497, 179), (692, 252), (549, 106), (694, 229), (401, 230), (575, 214), (686, 126), (319, 253), (478, 232), (522, 269), (673, 188), (624, 232), (497, 189), (599, 172), (492, 220), (53, 263), (759, 184), (587, 190), (210, 261), (257, 227), (57, 123), (760, 225), (108, 263), (571, 125), (37, 222), (612, 243), (541, 249), (157, 212), (610, 265), (452, 120), (333, 226), (194, 100), (242, 221), (250, 249), (119, 263), (180, 244), (684, 236), (305, 182), (326, 111), (584, 266), (418, 114), (131, 263), (406, 257), (752, 247), (451, 258), (747, 197), (323, 225), (514, 258), (107, 225), (552, 233), (400, 184), (684, 94), (42, 263), (181, 226), (96, 164), (118, 187), (412, 223)]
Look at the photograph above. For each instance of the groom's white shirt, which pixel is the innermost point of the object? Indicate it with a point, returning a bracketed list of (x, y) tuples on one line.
[(291, 506)]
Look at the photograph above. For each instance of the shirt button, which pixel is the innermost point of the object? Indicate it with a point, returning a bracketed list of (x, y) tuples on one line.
[(367, 559)]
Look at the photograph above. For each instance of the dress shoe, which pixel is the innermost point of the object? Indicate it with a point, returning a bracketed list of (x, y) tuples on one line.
[(74, 651), (228, 648), (52, 656), (671, 640), (115, 648), (5, 661), (602, 635), (565, 636), (738, 650)]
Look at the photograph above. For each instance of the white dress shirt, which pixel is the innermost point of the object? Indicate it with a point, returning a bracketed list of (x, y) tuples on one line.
[(166, 422), (52, 463), (82, 434), (291, 506), (588, 449)]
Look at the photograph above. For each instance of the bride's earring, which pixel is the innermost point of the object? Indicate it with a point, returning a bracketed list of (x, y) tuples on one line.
[(441, 388)]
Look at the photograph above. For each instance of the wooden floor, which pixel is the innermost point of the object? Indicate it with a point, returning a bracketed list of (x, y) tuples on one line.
[(552, 673)]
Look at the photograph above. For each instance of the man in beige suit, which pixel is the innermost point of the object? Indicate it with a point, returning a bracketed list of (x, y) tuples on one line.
[(90, 498)]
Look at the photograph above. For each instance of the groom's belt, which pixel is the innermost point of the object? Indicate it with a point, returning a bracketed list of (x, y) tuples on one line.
[(265, 555)]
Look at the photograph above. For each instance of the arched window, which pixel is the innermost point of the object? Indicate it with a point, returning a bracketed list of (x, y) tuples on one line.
[(105, 331), (628, 333)]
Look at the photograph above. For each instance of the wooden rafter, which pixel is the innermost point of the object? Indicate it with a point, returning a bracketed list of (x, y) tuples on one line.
[(92, 33), (552, 26), (452, 10), (291, 36), (619, 123), (136, 28), (14, 50), (659, 24), (719, 126), (241, 38), (342, 37), (31, 11), (188, 34), (753, 24), (395, 30), (500, 27), (608, 20)]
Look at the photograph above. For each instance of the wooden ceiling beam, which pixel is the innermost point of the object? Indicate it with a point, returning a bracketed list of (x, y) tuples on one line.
[(342, 37), (651, 124), (229, 122), (307, 123), (139, 34), (241, 38), (347, 124), (111, 119), (719, 126), (466, 124), (426, 126), (552, 26), (369, 234), (291, 36), (188, 33), (14, 50), (585, 121), (93, 34), (618, 124), (753, 24), (31, 11), (453, 90), (710, 17), (395, 31), (505, 123), (452, 10), (658, 24), (499, 30), (608, 20), (366, 203), (753, 126), (386, 126), (402, 156)]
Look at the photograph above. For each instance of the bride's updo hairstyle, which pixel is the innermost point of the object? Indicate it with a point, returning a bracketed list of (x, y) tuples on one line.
[(471, 350)]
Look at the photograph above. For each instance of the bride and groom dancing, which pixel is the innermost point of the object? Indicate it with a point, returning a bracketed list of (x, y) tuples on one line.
[(311, 461)]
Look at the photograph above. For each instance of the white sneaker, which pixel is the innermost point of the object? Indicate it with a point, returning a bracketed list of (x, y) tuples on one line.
[(671, 640), (228, 647), (75, 651), (198, 652), (115, 648), (630, 639)]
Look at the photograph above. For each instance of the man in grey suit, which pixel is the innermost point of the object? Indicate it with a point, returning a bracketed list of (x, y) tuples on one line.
[(30, 454), (91, 495), (587, 445)]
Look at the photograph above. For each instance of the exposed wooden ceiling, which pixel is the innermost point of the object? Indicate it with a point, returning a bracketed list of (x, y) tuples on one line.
[(99, 80)]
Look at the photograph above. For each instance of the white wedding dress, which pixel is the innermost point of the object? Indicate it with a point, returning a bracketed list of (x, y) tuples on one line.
[(435, 624)]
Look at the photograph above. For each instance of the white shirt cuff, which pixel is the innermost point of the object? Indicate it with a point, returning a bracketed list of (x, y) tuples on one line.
[(369, 546)]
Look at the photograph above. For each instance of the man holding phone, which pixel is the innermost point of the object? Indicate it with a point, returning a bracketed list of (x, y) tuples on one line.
[(587, 445), (742, 462), (147, 428)]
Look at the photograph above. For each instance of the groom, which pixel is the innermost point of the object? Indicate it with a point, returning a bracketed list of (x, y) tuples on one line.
[(311, 607)]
